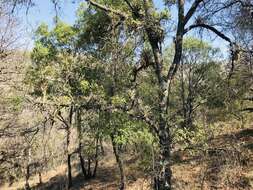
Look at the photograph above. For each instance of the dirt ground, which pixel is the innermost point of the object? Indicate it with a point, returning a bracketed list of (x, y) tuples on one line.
[(227, 165)]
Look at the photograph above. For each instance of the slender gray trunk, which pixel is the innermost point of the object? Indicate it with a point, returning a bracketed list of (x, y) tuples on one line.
[(68, 128), (82, 161), (79, 131), (120, 164), (96, 158), (27, 169), (69, 171), (27, 176)]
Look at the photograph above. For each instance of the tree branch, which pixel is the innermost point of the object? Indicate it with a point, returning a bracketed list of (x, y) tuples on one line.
[(178, 53), (192, 10), (129, 5), (146, 120), (247, 110), (107, 9), (144, 63), (248, 99), (135, 11), (211, 28)]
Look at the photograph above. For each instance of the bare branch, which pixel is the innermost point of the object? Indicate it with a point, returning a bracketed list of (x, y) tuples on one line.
[(192, 10), (107, 9), (211, 28), (247, 110), (248, 99), (129, 5), (145, 63)]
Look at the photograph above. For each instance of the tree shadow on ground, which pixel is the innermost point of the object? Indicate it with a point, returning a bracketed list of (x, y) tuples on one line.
[(105, 179), (229, 156), (244, 133), (222, 161)]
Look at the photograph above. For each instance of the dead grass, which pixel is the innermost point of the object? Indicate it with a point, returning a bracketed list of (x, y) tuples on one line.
[(34, 180), (227, 165)]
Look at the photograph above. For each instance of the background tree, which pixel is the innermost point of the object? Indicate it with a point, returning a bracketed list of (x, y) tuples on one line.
[(60, 77)]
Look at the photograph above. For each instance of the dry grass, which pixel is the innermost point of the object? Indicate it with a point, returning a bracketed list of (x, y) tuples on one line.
[(34, 180), (227, 165)]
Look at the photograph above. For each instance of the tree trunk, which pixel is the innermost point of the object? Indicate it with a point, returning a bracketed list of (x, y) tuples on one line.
[(101, 146), (27, 171), (68, 128), (96, 159), (89, 167), (79, 131), (82, 161), (40, 178), (164, 174), (120, 164), (190, 100), (27, 176), (162, 181), (184, 105), (69, 172)]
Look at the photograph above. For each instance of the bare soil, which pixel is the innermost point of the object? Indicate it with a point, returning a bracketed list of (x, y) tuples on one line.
[(227, 164)]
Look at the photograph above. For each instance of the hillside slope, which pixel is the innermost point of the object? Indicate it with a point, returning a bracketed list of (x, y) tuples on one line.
[(226, 164)]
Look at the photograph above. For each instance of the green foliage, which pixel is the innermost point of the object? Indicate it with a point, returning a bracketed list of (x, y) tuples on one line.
[(85, 85), (16, 102), (42, 31), (40, 53), (64, 33), (118, 101), (188, 138), (92, 27), (194, 44), (57, 71)]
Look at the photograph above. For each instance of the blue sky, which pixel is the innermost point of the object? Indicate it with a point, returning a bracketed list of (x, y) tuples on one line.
[(43, 11)]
